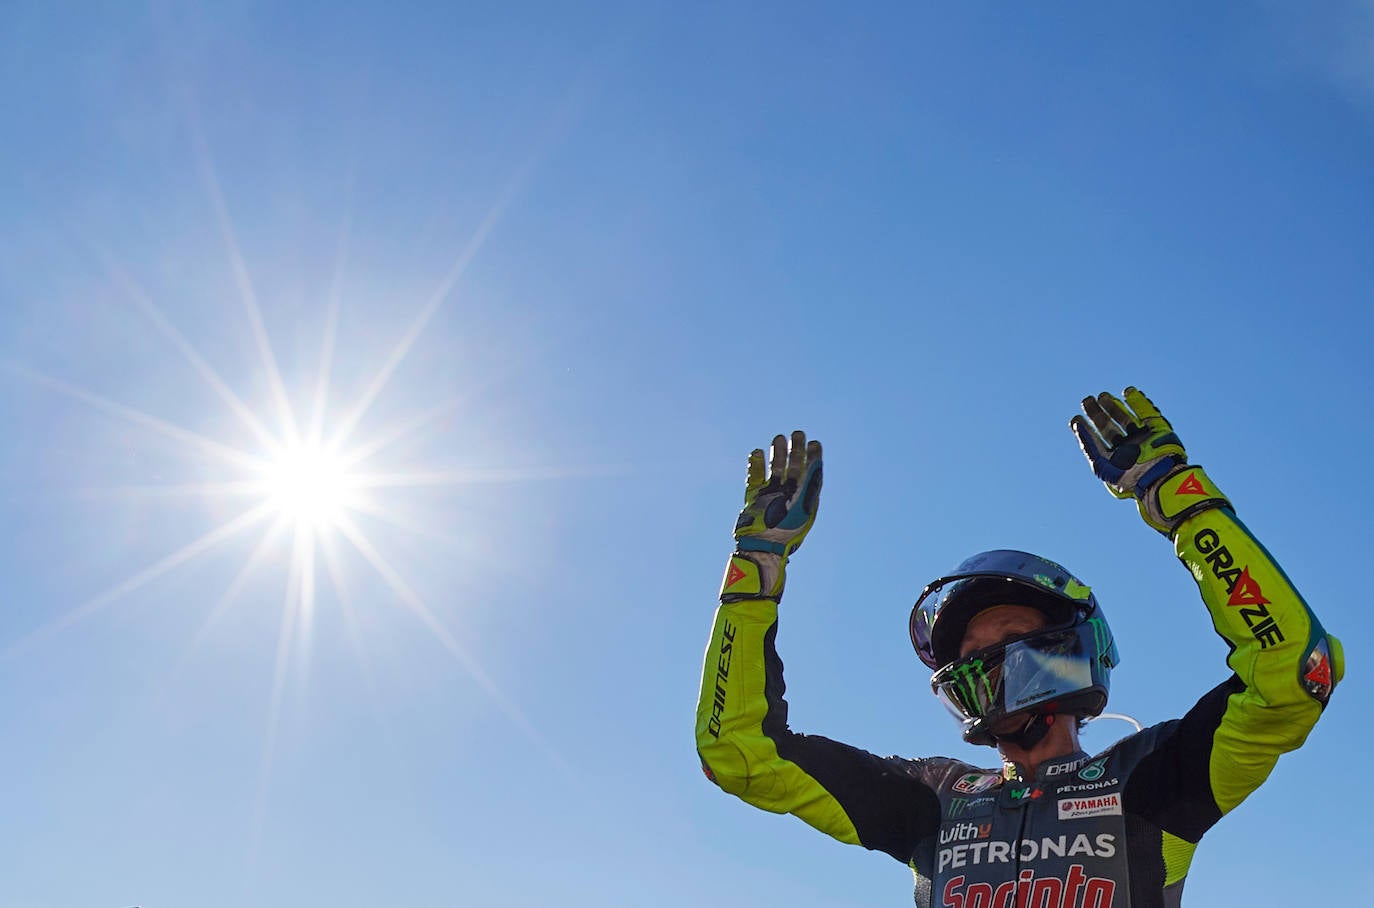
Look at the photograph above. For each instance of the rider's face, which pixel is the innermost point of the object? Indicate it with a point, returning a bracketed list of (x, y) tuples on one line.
[(998, 623)]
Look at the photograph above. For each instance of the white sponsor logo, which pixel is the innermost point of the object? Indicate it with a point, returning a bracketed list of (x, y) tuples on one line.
[(1063, 768), (1090, 786), (1100, 806), (962, 832), (1026, 850)]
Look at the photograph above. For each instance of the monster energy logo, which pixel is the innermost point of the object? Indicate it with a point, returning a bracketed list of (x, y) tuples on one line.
[(1103, 637), (971, 685)]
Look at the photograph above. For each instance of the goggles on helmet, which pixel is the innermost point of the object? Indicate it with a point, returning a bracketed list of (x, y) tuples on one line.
[(1056, 671)]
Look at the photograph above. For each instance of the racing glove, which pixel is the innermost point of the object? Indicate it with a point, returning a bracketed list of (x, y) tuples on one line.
[(779, 509), (1135, 452)]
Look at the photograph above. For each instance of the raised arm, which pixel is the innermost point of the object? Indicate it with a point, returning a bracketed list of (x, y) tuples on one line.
[(742, 736), (1285, 664)]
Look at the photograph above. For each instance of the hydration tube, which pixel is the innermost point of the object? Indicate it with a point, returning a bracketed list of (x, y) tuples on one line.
[(1122, 716)]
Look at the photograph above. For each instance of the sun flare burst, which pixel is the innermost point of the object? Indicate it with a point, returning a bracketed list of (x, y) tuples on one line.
[(311, 486)]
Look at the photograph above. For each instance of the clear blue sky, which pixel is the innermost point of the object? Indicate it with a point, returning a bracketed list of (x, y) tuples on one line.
[(577, 261)]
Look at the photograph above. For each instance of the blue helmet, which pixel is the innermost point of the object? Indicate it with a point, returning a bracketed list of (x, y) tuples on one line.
[(1062, 668)]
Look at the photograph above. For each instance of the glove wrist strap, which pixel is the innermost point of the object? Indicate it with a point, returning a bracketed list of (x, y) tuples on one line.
[(753, 575), (1185, 491)]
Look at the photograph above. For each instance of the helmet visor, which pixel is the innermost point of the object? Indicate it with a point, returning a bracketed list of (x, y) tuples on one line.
[(1026, 673)]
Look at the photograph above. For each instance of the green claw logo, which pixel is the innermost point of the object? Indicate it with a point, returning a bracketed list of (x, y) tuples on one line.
[(1105, 645), (969, 680)]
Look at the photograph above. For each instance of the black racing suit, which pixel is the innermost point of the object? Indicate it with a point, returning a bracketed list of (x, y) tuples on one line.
[(1114, 830)]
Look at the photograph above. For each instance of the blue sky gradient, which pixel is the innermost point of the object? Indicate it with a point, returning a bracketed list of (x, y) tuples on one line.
[(577, 261)]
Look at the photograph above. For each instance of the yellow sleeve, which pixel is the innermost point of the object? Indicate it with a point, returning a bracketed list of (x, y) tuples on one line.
[(1286, 662), (747, 749)]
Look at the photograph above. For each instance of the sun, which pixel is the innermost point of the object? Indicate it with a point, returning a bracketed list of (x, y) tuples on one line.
[(310, 486), (309, 474)]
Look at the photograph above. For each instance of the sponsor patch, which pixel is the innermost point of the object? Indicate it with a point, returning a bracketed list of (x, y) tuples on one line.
[(970, 807), (1320, 675), (1244, 591), (1025, 851), (1075, 888), (1088, 786), (963, 832), (1059, 769), (1094, 770), (1098, 806), (1316, 672), (727, 648), (1190, 486), (974, 782), (1025, 792)]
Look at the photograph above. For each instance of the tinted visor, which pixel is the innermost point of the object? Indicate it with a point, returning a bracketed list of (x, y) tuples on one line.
[(1031, 672)]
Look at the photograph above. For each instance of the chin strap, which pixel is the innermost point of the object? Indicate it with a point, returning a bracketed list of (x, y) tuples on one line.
[(1032, 733)]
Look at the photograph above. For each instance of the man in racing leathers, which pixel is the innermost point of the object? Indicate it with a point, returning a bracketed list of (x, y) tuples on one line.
[(1022, 654)]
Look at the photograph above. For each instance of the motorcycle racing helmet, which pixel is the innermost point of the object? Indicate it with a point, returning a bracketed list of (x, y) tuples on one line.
[(1062, 668)]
